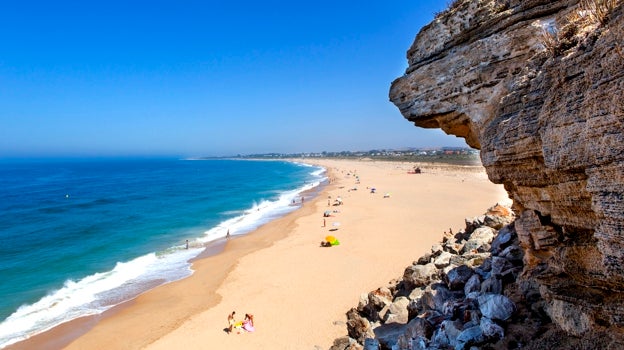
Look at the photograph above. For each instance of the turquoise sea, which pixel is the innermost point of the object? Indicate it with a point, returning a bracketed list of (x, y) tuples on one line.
[(79, 236)]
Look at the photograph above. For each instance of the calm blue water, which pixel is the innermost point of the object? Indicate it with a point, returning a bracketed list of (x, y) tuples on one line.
[(79, 236)]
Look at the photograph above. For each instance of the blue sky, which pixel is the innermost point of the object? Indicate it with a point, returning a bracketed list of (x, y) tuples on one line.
[(205, 78)]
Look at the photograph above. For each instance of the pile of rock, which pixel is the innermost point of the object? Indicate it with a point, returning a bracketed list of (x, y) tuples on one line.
[(460, 295)]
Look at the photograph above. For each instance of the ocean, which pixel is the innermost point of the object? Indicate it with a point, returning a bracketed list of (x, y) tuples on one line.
[(79, 236)]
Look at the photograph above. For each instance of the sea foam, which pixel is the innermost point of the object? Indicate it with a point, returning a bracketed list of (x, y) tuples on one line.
[(99, 292)]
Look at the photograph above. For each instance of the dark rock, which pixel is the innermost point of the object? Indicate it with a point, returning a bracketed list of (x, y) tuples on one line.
[(371, 344), (414, 308), (436, 250), (469, 336), (511, 275), (418, 327), (503, 239), (434, 297), (473, 284), (424, 260), (450, 330), (496, 306), (457, 277), (439, 340), (491, 329), (492, 285), (499, 265), (487, 265), (453, 247), (513, 254), (405, 343), (473, 223)]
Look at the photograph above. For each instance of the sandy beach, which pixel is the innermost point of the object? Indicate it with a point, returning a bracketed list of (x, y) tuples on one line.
[(298, 291)]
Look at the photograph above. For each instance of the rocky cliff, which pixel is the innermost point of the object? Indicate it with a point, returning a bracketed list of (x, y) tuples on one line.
[(538, 87)]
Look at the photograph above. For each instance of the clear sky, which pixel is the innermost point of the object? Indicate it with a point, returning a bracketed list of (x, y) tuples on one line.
[(206, 78)]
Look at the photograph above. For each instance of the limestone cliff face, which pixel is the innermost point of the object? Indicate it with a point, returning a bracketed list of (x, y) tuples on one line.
[(538, 87)]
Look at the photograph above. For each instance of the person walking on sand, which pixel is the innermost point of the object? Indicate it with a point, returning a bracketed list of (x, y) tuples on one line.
[(227, 235), (231, 322)]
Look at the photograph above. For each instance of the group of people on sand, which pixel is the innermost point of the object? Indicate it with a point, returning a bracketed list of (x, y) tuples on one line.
[(247, 324)]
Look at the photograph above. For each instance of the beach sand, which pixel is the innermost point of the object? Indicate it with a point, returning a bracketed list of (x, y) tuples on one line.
[(298, 291)]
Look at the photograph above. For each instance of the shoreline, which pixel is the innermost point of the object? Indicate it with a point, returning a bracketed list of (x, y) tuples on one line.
[(62, 335), (195, 306)]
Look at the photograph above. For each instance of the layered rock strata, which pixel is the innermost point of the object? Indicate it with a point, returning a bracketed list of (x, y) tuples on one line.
[(538, 87)]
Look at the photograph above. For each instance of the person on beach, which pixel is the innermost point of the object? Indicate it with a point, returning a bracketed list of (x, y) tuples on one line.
[(231, 321), (248, 323), (227, 235), (187, 244)]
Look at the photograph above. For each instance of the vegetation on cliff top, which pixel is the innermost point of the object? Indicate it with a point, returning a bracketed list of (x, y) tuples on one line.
[(580, 24)]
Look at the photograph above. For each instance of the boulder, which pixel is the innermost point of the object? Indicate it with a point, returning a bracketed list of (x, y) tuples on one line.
[(434, 297), (436, 250), (424, 260), (418, 327), (468, 337), (396, 312), (499, 265), (492, 285), (346, 343), (450, 330), (497, 222), (453, 247), (491, 329), (458, 276), (420, 275), (363, 302), (473, 223), (380, 297), (443, 260), (513, 254), (405, 343), (503, 239), (480, 240), (473, 284), (371, 344), (414, 307), (358, 327), (496, 306)]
